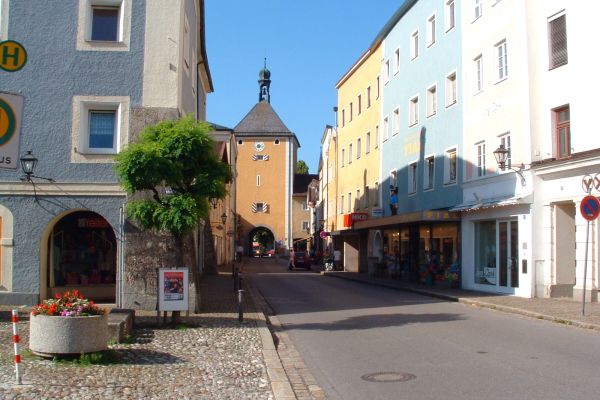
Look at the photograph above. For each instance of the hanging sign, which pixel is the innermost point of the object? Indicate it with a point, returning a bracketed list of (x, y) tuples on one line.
[(590, 208), (173, 289), (12, 56), (11, 109)]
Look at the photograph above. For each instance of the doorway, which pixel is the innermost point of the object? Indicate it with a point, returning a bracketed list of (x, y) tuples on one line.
[(508, 255)]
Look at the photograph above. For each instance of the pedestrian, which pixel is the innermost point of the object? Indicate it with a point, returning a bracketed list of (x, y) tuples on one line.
[(337, 259), (292, 262)]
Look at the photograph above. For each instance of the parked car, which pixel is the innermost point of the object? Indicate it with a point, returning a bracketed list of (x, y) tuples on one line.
[(301, 260), (257, 251), (270, 253)]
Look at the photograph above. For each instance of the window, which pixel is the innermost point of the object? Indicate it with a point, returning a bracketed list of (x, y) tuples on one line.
[(396, 61), (478, 64), (357, 200), (478, 8), (377, 87), (99, 127), (277, 141), (351, 112), (412, 177), (343, 117), (260, 157), (557, 32), (376, 136), (395, 121), (429, 172), (306, 226), (257, 180), (451, 89), (376, 195), (485, 252), (259, 207), (385, 129), (386, 71), (368, 143), (358, 148), (240, 142), (480, 150), (304, 206), (450, 167), (562, 120), (393, 179), (359, 104), (104, 25), (505, 141), (3, 20), (343, 157), (367, 197), (368, 96), (431, 30), (431, 101), (502, 60), (342, 204), (450, 18), (413, 112), (350, 153), (350, 205), (414, 45)]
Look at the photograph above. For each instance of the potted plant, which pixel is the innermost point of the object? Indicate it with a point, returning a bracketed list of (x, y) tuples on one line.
[(67, 324)]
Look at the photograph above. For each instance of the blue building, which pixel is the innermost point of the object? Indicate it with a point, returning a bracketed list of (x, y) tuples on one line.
[(95, 76), (421, 142)]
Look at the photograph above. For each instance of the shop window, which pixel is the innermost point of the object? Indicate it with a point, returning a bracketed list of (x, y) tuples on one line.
[(485, 252)]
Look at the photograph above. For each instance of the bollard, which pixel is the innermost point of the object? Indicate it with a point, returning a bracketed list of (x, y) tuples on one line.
[(15, 321), (240, 308)]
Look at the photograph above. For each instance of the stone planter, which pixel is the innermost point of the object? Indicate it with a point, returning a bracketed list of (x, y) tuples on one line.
[(50, 336)]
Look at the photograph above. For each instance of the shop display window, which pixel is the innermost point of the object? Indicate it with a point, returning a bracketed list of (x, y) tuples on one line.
[(485, 252)]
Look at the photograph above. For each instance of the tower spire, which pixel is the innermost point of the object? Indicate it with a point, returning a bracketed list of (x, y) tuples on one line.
[(264, 84)]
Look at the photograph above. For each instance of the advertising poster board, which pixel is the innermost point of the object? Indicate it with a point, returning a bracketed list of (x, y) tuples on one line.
[(11, 109), (173, 289)]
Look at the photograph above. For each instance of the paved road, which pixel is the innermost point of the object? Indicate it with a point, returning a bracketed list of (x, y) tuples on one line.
[(346, 331)]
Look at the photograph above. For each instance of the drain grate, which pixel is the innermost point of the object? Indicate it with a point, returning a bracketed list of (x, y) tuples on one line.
[(388, 377)]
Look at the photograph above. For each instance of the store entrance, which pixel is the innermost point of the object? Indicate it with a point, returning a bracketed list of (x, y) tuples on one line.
[(82, 255), (508, 257)]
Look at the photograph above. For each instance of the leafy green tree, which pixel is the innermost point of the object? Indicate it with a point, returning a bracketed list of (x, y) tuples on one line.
[(301, 167), (175, 165)]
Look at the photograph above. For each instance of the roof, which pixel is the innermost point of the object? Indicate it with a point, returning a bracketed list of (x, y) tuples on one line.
[(492, 203), (301, 182), (203, 58), (262, 119)]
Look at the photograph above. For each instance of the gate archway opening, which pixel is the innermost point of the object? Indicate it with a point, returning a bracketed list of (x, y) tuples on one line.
[(261, 242)]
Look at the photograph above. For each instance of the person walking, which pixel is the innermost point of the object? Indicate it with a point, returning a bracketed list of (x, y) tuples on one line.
[(292, 263), (337, 260)]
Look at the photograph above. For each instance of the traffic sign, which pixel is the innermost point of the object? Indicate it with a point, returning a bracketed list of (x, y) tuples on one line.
[(11, 108), (323, 234), (13, 56), (590, 208)]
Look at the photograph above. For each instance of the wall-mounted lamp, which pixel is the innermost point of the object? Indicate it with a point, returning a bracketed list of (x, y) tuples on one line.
[(501, 155), (28, 164), (223, 218)]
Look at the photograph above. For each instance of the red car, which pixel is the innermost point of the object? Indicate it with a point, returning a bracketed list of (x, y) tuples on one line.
[(301, 260)]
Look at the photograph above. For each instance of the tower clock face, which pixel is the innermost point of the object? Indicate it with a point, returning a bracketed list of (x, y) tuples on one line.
[(259, 146)]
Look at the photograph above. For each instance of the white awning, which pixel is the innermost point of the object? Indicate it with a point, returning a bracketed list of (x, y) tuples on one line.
[(492, 203)]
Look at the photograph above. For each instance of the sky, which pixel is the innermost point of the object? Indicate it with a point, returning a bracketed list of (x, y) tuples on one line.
[(309, 46)]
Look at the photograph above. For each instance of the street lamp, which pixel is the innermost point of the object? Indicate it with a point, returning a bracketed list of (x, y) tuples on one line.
[(223, 218), (28, 164), (501, 155)]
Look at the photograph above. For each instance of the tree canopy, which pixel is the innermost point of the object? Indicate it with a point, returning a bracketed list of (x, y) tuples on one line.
[(301, 167)]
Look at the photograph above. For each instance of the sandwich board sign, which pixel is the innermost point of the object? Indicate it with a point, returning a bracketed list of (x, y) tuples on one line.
[(173, 289), (11, 110)]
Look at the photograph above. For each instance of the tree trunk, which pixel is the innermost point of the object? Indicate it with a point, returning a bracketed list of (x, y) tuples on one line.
[(178, 264)]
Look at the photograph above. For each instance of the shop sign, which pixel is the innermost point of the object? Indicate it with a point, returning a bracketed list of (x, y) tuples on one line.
[(11, 109), (173, 289), (351, 218), (92, 223), (377, 212)]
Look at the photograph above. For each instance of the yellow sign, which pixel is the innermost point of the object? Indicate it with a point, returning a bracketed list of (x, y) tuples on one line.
[(11, 110), (12, 56)]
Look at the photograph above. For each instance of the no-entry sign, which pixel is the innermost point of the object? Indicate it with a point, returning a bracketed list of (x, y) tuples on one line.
[(590, 208)]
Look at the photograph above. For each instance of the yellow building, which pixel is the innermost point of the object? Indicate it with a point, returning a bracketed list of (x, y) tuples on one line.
[(301, 213), (267, 153), (357, 152)]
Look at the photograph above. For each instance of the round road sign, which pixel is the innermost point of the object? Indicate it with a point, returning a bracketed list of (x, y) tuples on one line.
[(7, 122), (323, 234), (13, 56), (590, 208)]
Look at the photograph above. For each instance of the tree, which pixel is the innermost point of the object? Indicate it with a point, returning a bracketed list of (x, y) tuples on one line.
[(174, 162), (301, 167)]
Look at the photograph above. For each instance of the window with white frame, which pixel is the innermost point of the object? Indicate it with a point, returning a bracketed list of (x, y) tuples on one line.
[(431, 30), (375, 194), (257, 180), (368, 96), (276, 142), (502, 60), (432, 101), (359, 103), (386, 71), (396, 121), (505, 141), (343, 157), (429, 173), (260, 157), (350, 153), (450, 15), (414, 45), (396, 61), (376, 136), (451, 89), (478, 8), (358, 147), (557, 37), (259, 207), (562, 126), (385, 128), (412, 177), (450, 166), (377, 87), (240, 142), (306, 226), (341, 204), (104, 25), (478, 66), (368, 143), (100, 127), (480, 151), (413, 111), (357, 200)]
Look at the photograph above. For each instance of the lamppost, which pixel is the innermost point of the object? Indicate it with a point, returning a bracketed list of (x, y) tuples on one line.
[(501, 155), (28, 164)]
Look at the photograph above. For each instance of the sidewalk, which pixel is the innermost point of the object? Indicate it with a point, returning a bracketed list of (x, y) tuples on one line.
[(560, 311), (213, 356)]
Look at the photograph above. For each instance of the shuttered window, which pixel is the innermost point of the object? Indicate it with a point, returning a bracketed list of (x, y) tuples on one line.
[(558, 42)]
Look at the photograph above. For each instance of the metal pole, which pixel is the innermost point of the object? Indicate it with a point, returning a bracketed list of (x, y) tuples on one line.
[(16, 340), (587, 241), (240, 307)]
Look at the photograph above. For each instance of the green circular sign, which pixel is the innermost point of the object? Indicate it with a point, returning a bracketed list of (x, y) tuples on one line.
[(7, 122)]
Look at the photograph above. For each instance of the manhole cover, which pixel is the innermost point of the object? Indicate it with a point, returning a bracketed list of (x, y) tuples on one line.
[(388, 377)]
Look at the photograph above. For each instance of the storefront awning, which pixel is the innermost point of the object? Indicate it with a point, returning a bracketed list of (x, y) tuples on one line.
[(420, 216), (492, 203)]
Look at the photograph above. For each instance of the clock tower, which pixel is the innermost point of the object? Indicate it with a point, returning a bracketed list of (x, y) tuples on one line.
[(267, 154)]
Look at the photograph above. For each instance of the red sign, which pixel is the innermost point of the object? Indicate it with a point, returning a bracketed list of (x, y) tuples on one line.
[(590, 208), (323, 234), (351, 218)]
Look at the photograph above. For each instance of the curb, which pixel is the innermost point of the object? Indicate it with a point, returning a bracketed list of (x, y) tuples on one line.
[(476, 303)]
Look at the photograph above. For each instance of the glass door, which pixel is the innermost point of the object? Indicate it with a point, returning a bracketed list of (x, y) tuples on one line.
[(508, 257)]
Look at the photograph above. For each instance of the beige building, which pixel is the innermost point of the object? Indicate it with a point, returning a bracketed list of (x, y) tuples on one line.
[(267, 154), (301, 213)]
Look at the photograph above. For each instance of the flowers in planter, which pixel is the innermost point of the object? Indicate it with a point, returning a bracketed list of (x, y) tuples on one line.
[(451, 276), (69, 304)]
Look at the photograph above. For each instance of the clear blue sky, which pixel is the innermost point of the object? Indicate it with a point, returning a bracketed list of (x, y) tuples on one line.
[(309, 45)]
